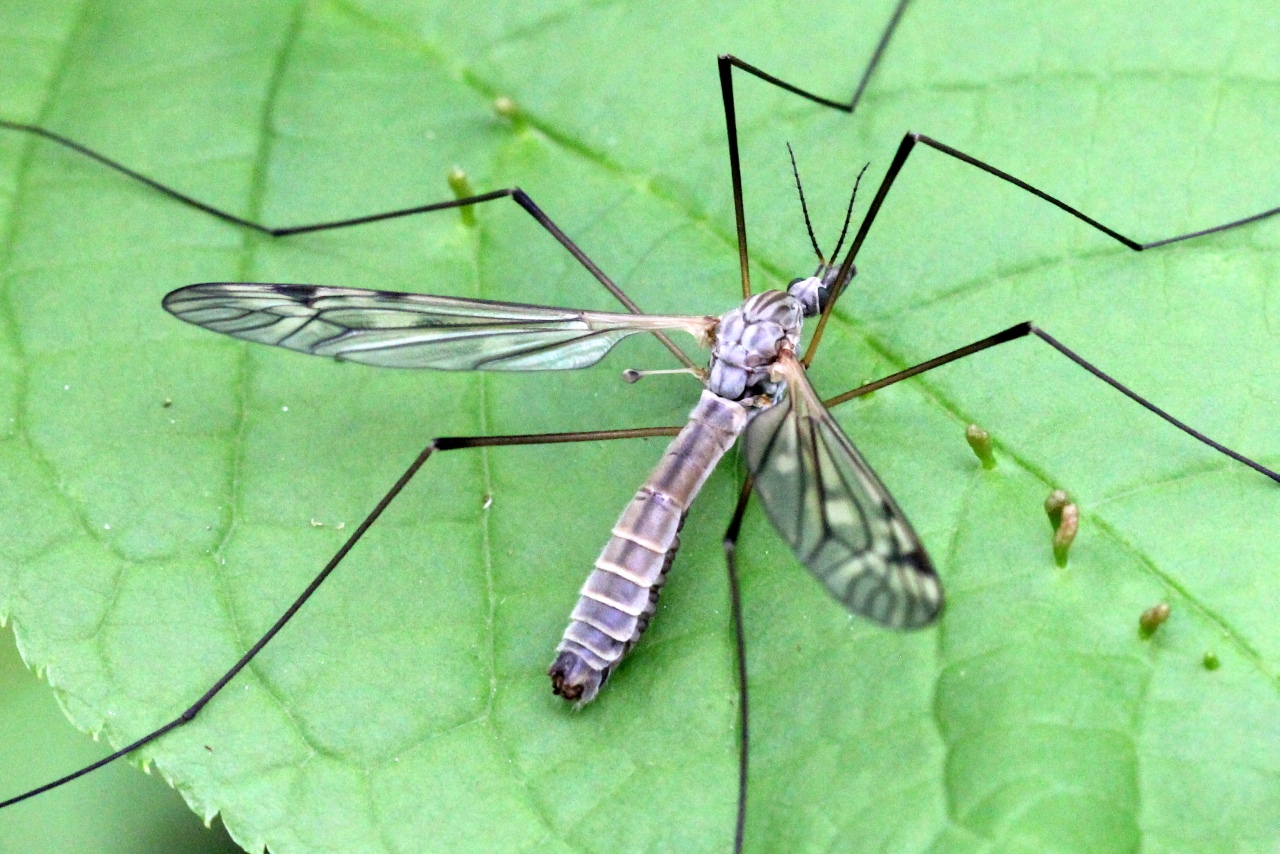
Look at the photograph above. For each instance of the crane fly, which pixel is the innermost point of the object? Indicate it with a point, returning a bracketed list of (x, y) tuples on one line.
[(820, 495)]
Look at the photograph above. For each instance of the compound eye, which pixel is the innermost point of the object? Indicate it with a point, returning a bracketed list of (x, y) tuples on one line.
[(824, 297), (809, 294), (791, 284)]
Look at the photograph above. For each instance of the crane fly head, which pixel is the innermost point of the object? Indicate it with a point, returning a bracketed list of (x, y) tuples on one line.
[(817, 290)]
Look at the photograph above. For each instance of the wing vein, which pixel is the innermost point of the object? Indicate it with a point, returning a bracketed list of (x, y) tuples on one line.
[(397, 330), (837, 516)]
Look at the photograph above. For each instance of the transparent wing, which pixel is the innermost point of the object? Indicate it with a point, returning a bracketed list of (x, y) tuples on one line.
[(839, 519), (398, 330)]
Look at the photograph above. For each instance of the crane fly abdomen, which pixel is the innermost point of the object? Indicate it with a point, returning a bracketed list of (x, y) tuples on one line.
[(620, 595)]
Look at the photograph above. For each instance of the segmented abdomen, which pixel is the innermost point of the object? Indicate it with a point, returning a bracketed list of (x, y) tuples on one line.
[(621, 593)]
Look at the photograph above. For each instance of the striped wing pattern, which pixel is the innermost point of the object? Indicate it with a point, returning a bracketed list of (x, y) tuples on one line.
[(832, 509), (398, 330)]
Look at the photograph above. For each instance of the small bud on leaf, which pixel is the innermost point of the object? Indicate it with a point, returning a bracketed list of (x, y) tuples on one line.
[(1053, 506), (980, 441), (1066, 533), (1151, 619), (506, 108), (461, 186)]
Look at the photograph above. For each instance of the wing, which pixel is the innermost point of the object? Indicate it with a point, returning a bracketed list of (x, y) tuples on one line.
[(839, 519), (397, 330)]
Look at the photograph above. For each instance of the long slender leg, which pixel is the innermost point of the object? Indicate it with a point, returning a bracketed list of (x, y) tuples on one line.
[(728, 62), (1013, 333), (735, 599), (446, 443), (908, 144), (517, 195), (1022, 330)]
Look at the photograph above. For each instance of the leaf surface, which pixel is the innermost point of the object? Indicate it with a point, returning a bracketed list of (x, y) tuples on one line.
[(148, 544)]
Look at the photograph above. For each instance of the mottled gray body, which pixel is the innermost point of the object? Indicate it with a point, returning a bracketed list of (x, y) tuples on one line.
[(621, 593), (818, 492)]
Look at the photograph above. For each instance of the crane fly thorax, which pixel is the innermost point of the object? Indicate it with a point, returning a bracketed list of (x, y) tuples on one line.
[(748, 341)]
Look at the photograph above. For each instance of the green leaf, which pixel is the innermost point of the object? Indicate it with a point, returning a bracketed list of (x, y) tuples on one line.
[(115, 811), (406, 707)]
